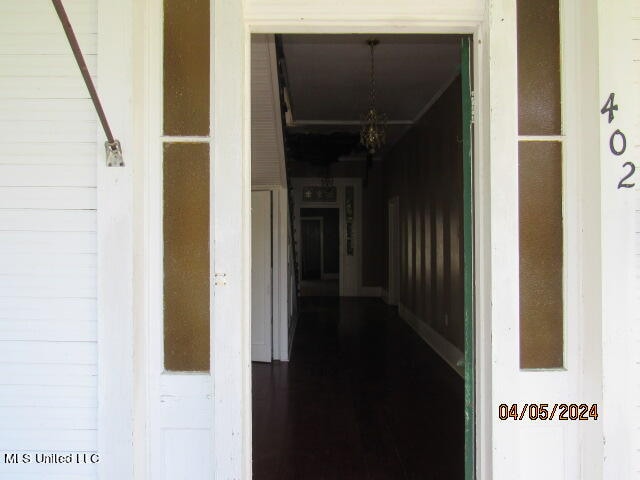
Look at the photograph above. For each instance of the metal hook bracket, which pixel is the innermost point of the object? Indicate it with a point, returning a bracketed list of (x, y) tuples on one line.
[(114, 154)]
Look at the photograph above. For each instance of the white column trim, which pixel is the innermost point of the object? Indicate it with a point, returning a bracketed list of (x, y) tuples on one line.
[(231, 242), (115, 244)]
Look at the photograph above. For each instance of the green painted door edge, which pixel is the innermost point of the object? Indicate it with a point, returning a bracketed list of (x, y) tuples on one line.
[(469, 331)]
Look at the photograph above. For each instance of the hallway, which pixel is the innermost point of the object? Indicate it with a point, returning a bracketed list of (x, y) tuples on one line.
[(362, 398)]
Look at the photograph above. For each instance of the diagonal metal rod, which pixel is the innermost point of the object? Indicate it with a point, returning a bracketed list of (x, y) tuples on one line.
[(77, 53)]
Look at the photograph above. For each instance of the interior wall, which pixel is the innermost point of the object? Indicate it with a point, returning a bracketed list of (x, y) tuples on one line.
[(424, 169)]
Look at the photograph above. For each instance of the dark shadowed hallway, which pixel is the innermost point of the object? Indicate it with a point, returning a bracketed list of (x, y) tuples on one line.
[(362, 398)]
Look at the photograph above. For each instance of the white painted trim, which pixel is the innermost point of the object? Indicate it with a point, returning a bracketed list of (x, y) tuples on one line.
[(443, 347), (142, 328), (283, 292), (276, 286), (541, 138), (482, 253), (581, 105), (497, 211), (115, 225), (231, 234), (149, 345), (619, 300)]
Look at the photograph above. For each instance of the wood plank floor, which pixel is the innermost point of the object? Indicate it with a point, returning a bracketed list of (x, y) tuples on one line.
[(362, 398)]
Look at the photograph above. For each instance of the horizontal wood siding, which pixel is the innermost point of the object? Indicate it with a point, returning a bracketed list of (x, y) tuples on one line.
[(48, 347)]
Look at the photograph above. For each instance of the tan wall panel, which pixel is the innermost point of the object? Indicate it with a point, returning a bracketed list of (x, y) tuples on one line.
[(186, 256), (539, 67), (541, 292), (186, 67)]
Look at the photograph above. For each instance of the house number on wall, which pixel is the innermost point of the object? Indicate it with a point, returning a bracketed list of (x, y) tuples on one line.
[(618, 142)]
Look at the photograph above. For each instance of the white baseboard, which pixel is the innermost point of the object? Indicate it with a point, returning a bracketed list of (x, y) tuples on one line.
[(370, 292), (443, 347)]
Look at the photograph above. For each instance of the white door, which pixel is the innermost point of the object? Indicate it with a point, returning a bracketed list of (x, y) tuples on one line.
[(261, 276)]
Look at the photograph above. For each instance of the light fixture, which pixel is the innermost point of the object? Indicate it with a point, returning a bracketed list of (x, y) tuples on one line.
[(372, 132)]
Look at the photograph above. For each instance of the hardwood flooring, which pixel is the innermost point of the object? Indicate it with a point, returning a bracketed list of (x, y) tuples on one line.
[(363, 397)]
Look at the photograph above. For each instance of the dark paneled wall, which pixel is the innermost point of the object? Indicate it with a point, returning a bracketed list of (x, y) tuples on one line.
[(374, 228), (424, 170)]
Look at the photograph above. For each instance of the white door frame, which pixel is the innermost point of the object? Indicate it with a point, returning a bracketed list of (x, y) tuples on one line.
[(426, 19), (230, 200), (125, 73)]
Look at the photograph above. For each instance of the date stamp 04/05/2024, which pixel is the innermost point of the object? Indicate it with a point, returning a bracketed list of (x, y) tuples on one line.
[(548, 412)]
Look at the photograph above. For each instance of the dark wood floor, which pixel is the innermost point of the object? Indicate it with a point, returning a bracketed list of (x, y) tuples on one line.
[(362, 398)]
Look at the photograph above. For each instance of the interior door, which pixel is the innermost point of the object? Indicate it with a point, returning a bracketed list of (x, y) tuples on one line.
[(261, 307), (311, 249)]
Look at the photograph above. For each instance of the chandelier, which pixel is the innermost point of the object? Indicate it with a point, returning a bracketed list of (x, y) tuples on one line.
[(372, 132)]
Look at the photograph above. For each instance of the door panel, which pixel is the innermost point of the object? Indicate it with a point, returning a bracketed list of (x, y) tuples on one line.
[(261, 317)]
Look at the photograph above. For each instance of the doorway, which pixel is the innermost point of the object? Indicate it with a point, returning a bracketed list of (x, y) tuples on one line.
[(320, 251), (417, 223)]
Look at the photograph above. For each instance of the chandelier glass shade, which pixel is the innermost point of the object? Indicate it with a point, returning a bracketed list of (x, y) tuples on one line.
[(372, 131)]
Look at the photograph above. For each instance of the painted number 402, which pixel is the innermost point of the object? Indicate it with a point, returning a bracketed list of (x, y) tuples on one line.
[(618, 142)]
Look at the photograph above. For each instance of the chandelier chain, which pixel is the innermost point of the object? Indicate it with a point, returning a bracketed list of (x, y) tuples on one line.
[(372, 133), (373, 77)]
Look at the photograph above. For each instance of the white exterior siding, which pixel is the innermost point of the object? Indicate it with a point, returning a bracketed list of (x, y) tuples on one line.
[(635, 349), (48, 348)]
